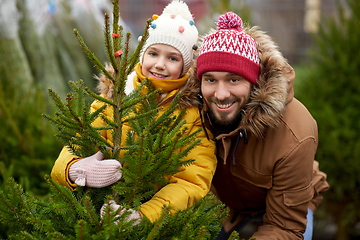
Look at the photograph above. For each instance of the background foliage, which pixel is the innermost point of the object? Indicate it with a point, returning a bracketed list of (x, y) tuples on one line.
[(329, 87)]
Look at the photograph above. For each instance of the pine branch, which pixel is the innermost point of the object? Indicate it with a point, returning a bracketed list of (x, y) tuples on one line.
[(57, 100), (124, 62), (172, 225), (8, 116), (128, 101), (60, 190), (121, 33), (137, 180), (141, 115), (15, 203), (166, 116), (108, 44), (138, 49), (157, 226), (16, 189), (99, 98), (80, 230), (202, 232), (90, 209), (116, 17), (234, 235), (91, 55), (75, 122)]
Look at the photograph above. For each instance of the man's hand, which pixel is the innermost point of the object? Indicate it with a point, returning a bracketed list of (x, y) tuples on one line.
[(95, 172)]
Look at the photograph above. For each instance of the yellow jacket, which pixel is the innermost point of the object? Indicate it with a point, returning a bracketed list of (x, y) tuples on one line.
[(186, 187)]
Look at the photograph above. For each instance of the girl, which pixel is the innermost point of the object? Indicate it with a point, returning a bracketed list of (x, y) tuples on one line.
[(165, 61)]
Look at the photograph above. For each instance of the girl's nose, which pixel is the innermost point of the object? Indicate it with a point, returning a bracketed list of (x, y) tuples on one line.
[(160, 64)]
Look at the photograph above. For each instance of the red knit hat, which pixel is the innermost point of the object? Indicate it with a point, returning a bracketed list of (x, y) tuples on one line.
[(229, 49)]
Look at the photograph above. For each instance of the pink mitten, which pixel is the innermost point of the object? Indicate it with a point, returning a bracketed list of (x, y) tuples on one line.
[(114, 207), (95, 172)]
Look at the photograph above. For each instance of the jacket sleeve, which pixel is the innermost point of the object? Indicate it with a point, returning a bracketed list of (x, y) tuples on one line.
[(60, 170), (192, 183), (320, 185), (288, 200)]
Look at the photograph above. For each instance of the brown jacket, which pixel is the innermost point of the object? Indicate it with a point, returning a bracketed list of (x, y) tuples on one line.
[(267, 164)]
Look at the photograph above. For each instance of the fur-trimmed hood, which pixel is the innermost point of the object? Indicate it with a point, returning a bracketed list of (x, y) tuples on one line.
[(268, 100), (189, 91)]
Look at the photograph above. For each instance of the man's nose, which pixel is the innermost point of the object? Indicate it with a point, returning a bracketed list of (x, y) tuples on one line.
[(222, 91)]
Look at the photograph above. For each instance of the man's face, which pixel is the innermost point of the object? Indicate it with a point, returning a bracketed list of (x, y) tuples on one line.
[(225, 95), (162, 62)]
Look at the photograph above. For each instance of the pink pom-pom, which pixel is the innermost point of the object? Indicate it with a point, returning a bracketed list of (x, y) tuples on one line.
[(229, 20), (181, 29)]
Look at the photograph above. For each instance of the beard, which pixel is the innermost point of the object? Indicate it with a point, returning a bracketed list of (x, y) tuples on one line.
[(225, 126)]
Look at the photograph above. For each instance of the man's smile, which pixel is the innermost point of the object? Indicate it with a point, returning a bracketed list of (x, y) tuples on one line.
[(223, 106)]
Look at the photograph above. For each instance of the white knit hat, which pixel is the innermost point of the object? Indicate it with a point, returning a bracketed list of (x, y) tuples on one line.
[(174, 27)]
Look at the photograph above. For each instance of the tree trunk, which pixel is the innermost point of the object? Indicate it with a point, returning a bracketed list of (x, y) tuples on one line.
[(342, 227)]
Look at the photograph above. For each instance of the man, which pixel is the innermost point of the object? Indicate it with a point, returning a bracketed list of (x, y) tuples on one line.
[(266, 139)]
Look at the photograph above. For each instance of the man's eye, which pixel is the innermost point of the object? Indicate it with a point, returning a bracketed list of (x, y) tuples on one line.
[(233, 80), (211, 80)]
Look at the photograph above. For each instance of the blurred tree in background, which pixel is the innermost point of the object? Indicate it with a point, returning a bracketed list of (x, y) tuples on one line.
[(39, 50), (218, 7), (329, 87)]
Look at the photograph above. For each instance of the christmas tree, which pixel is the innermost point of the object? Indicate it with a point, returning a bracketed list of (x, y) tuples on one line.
[(152, 151)]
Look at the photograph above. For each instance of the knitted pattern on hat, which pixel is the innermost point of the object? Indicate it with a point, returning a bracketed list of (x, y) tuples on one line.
[(174, 27), (229, 49)]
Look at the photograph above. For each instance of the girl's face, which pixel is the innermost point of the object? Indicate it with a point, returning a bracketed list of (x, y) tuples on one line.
[(162, 61)]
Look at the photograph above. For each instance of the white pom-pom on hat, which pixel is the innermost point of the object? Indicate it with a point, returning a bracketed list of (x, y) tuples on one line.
[(178, 7)]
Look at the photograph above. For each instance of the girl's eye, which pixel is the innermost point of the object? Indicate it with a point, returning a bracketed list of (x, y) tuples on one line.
[(152, 54), (173, 58)]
